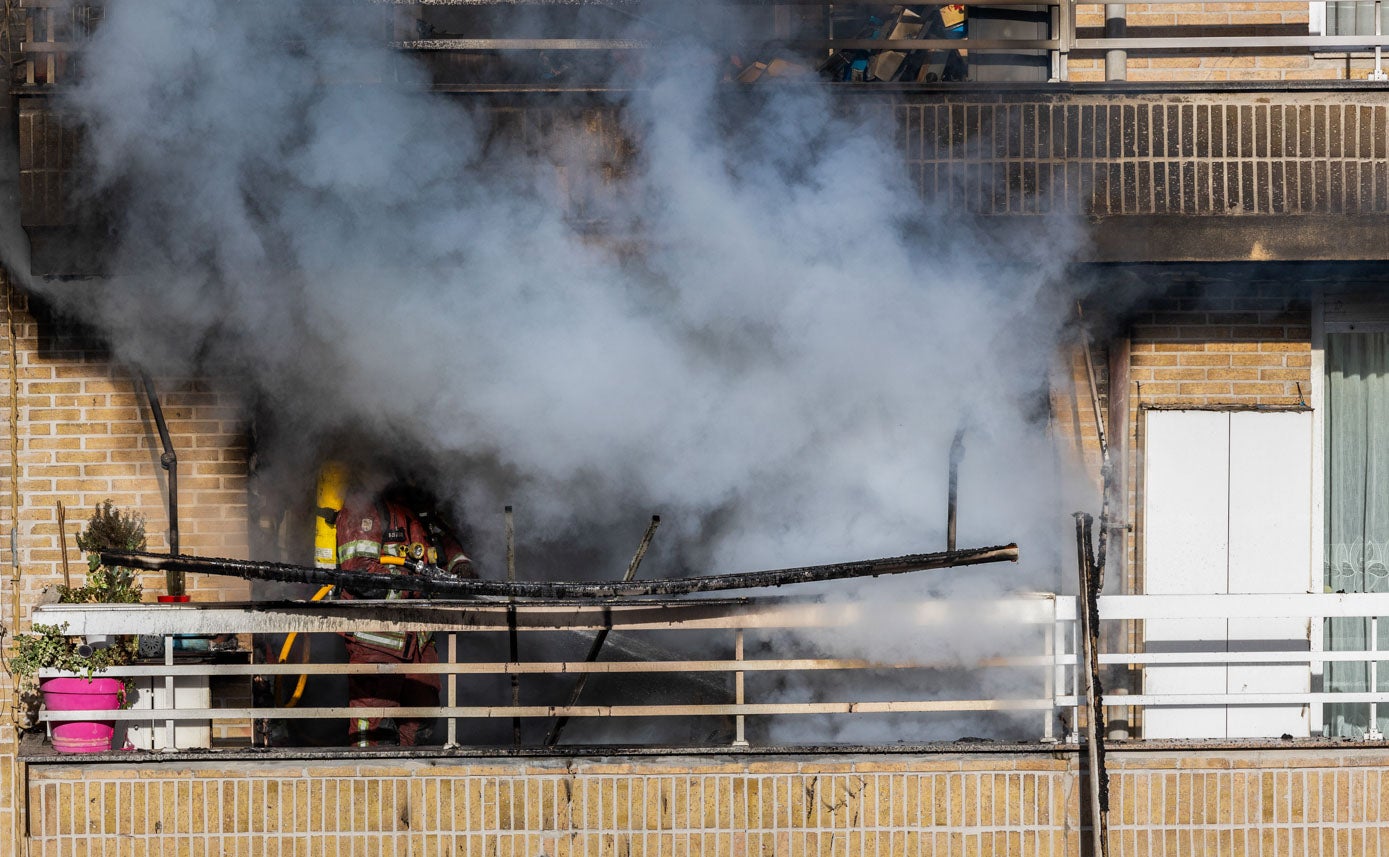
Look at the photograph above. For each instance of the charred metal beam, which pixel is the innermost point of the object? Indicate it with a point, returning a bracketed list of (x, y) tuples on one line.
[(462, 588), (557, 728)]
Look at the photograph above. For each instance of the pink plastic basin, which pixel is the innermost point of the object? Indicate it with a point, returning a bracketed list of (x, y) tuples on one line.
[(80, 694)]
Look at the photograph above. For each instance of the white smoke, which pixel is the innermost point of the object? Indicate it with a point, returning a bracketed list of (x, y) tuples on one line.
[(771, 342)]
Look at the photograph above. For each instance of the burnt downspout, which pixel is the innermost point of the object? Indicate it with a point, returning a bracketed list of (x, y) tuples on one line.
[(1098, 780), (173, 580), (957, 454), (513, 642)]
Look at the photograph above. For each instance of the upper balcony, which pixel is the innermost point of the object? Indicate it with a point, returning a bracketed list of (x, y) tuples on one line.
[(1229, 131), (471, 45)]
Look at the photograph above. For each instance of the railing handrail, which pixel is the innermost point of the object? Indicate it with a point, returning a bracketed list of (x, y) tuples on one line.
[(531, 616), (1054, 614)]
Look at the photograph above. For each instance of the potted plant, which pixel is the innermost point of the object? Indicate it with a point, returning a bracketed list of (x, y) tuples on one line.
[(50, 647)]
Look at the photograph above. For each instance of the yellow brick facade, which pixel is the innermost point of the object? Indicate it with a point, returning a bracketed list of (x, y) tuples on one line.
[(1211, 20), (1266, 802)]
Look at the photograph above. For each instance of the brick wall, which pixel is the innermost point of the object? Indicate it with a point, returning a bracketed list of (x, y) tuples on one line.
[(86, 435), (83, 434), (1229, 343), (1211, 342), (1225, 801), (1214, 19)]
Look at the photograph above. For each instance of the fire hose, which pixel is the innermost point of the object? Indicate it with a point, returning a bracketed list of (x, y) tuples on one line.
[(284, 655), (432, 582), (293, 635)]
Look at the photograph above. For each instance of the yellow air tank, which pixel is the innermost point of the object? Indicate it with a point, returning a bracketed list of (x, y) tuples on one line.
[(332, 490)]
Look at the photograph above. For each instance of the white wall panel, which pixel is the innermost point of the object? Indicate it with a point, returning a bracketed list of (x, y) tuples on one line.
[(1270, 551), (1186, 548), (1227, 508)]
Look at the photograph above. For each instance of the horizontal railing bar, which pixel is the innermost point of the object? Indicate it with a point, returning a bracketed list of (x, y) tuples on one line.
[(344, 616), (1167, 700), (573, 44), (542, 667), (509, 711), (1258, 606), (1334, 43), (924, 44), (637, 3), (474, 616), (1219, 658), (501, 44), (1195, 42), (754, 665)]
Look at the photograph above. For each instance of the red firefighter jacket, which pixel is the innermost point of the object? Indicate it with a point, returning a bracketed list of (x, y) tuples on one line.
[(369, 528)]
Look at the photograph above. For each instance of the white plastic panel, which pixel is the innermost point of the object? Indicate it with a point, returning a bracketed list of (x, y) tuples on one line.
[(190, 692), (1270, 552), (1186, 549)]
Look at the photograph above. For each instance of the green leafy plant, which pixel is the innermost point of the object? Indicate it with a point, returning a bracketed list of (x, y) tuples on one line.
[(50, 646), (107, 529)]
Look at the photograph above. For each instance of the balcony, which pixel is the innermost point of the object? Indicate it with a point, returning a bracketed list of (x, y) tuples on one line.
[(751, 668)]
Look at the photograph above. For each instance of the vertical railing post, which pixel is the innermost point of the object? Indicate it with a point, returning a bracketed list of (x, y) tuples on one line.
[(169, 746), (1378, 73), (453, 689), (1076, 670), (1372, 732), (1049, 679), (740, 735), (1065, 33)]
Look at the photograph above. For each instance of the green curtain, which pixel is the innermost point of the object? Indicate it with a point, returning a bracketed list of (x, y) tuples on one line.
[(1351, 18), (1357, 512)]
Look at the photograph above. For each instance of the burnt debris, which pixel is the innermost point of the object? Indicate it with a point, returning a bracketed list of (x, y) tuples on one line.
[(429, 584)]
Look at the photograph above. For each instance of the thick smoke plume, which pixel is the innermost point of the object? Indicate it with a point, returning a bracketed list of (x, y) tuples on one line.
[(752, 324), (771, 341), (778, 367)]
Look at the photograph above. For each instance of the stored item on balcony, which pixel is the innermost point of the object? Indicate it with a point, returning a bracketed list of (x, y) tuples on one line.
[(950, 22), (852, 65), (83, 694), (904, 24), (151, 693)]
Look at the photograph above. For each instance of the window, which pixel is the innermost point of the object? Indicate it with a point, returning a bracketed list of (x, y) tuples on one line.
[(1356, 415), (1342, 18)]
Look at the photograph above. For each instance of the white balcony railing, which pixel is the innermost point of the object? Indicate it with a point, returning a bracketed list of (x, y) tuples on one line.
[(1049, 688)]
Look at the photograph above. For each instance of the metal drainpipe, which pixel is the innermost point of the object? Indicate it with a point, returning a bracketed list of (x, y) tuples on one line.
[(1116, 61), (169, 461)]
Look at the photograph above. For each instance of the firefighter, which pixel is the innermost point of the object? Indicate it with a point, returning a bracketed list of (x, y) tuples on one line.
[(380, 534)]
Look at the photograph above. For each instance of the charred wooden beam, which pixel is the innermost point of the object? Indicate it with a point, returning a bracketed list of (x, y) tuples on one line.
[(432, 585)]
